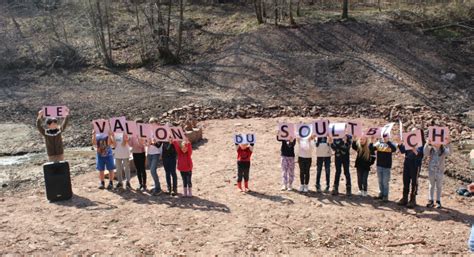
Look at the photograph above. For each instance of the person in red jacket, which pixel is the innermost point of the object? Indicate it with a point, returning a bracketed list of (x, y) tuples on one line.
[(244, 153), (185, 164)]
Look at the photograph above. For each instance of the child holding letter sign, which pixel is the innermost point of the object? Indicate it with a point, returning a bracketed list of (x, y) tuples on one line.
[(413, 150), (436, 153), (365, 158), (184, 150), (52, 135), (244, 146), (104, 157)]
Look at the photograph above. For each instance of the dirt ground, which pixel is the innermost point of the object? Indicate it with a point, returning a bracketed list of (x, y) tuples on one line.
[(221, 220)]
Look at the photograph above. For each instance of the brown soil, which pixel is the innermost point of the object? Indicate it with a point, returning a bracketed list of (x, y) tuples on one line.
[(220, 220)]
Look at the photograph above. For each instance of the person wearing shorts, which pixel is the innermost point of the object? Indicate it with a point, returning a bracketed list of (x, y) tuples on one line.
[(104, 158)]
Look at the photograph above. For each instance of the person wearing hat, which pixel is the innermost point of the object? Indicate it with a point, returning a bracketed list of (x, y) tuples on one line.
[(52, 136)]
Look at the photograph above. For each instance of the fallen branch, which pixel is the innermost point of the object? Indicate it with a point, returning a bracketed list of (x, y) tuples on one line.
[(361, 245), (283, 226), (421, 241), (449, 25)]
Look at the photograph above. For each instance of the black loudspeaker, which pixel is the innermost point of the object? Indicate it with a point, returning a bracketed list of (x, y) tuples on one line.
[(57, 180)]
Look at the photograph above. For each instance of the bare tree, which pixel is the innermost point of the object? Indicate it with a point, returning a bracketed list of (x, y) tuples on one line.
[(345, 9), (290, 10), (99, 21)]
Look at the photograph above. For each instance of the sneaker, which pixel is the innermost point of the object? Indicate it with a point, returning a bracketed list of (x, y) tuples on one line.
[(283, 188), (144, 188), (110, 186), (348, 192), (360, 193), (174, 192), (365, 193), (402, 202), (140, 188), (102, 185), (119, 185), (438, 204), (430, 204), (334, 192), (318, 190), (385, 199), (326, 190), (379, 197), (302, 188), (290, 188), (306, 189), (128, 185), (156, 192)]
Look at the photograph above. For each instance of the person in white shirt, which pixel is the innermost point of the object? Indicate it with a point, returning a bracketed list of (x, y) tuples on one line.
[(305, 152), (122, 155), (323, 157)]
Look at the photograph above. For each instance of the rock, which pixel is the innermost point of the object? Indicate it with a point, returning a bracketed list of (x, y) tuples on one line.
[(448, 76)]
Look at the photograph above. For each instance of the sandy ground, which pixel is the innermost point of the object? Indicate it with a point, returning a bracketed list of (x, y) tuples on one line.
[(221, 220)]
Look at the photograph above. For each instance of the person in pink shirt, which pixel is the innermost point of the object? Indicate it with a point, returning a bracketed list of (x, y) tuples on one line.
[(184, 150), (139, 158)]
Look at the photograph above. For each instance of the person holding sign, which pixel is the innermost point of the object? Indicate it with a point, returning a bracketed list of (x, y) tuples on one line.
[(365, 158), (323, 157), (244, 154), (153, 157), (385, 149), (122, 155), (104, 157), (139, 157), (342, 147), (436, 154), (184, 150), (287, 151), (305, 153), (52, 136), (169, 163), (411, 164)]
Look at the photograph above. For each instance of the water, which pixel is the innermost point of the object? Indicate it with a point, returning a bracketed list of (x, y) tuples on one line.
[(19, 159), (29, 157)]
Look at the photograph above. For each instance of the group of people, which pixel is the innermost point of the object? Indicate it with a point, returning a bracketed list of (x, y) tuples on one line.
[(378, 152), (113, 152)]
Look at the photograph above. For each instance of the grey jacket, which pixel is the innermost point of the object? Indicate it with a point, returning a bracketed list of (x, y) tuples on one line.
[(435, 160)]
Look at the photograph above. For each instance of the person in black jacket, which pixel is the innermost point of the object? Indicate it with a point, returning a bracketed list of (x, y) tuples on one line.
[(365, 159), (169, 163), (385, 149), (342, 147), (287, 163), (413, 159)]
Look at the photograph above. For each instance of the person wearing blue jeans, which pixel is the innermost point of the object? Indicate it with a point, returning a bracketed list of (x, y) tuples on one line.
[(471, 240), (384, 149), (169, 163)]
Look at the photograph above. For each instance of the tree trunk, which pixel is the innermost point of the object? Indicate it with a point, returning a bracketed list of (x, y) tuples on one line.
[(258, 11), (142, 39), (180, 28), (275, 7), (345, 9), (290, 10), (298, 10)]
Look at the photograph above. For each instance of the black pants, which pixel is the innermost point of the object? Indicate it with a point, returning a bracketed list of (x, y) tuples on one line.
[(305, 166), (243, 170), (344, 162), (170, 169), (139, 161), (410, 176), (186, 176), (362, 176), (319, 166)]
